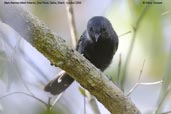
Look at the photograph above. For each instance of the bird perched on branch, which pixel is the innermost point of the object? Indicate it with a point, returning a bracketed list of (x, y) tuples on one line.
[(98, 44)]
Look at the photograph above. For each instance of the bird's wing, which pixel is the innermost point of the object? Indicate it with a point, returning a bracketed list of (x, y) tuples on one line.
[(80, 47)]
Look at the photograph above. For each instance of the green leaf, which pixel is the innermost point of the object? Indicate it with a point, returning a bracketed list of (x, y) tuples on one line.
[(82, 91)]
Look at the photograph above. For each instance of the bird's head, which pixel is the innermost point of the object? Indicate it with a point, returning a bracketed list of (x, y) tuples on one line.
[(98, 28)]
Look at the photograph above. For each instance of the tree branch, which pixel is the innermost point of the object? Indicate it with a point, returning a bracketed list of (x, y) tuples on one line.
[(59, 54)]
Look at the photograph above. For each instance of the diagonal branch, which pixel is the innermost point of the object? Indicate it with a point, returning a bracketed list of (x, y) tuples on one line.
[(59, 54)]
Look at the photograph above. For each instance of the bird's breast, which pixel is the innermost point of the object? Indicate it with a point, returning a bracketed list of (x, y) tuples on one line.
[(101, 54)]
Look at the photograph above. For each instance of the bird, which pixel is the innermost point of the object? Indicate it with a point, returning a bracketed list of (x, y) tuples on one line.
[(98, 44)]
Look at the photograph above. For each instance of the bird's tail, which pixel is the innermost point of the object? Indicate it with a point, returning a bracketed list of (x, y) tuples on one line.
[(59, 84)]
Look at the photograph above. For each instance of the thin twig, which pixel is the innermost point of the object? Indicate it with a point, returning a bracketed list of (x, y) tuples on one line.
[(138, 83), (165, 13), (123, 34), (144, 84), (56, 100), (123, 76), (166, 86), (28, 60), (49, 105), (132, 89), (119, 69), (138, 80), (1, 97), (92, 102), (70, 13), (20, 77), (84, 102), (156, 111), (23, 81), (151, 83)]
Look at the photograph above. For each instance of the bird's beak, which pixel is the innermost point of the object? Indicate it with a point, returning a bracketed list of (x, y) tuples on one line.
[(96, 36)]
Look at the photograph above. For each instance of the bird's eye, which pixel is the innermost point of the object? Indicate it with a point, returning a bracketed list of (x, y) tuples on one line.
[(103, 29), (91, 29)]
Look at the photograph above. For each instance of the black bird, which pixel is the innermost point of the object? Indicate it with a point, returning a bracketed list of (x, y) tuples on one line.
[(98, 44)]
